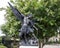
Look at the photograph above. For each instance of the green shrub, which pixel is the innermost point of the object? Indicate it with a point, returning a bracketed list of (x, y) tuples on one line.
[(1, 46)]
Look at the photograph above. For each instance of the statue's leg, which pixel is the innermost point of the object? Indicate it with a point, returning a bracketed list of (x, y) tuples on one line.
[(27, 36), (24, 37), (21, 35), (27, 39)]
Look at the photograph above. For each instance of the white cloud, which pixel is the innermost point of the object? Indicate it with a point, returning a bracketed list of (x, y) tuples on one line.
[(2, 18), (3, 3)]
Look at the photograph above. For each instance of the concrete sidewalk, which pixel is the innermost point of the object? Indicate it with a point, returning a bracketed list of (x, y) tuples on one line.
[(52, 46), (28, 47), (45, 46)]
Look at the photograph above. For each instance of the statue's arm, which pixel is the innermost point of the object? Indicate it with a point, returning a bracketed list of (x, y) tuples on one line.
[(32, 24)]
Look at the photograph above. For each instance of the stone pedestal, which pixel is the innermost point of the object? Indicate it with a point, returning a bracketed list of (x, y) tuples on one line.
[(32, 43), (28, 46)]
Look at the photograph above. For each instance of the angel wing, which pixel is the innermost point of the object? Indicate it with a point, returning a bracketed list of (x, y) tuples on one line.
[(16, 13)]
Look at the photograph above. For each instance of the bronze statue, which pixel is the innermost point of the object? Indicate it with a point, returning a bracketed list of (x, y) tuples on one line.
[(27, 25)]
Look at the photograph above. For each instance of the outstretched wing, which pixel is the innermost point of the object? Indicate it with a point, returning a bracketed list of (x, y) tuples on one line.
[(16, 12)]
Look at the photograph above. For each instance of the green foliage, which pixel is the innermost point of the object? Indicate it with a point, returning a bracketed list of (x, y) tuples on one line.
[(47, 12), (2, 9), (1, 46)]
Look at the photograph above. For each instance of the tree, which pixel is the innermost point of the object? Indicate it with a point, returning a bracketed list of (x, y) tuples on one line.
[(46, 12)]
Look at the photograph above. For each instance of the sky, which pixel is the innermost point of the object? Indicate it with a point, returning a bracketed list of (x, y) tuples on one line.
[(3, 3)]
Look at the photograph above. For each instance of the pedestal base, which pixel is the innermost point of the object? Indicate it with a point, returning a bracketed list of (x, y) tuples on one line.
[(28, 46), (29, 43)]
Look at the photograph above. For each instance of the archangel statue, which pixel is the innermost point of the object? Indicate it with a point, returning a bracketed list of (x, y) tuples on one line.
[(27, 25)]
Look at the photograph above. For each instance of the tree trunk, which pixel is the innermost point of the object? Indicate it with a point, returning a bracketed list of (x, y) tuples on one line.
[(41, 43)]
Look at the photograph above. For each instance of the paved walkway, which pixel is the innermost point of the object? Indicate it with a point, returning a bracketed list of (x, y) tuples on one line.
[(45, 46), (28, 47), (52, 46)]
